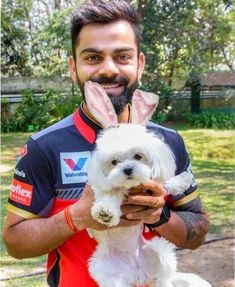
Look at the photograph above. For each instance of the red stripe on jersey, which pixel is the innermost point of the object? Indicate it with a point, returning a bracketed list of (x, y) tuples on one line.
[(86, 131)]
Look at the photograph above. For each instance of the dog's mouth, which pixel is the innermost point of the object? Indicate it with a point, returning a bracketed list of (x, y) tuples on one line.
[(130, 177)]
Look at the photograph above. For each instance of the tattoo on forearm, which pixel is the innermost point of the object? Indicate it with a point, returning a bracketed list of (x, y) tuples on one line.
[(196, 222)]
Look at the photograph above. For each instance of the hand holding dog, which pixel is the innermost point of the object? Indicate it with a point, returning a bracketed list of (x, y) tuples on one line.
[(81, 213), (151, 196)]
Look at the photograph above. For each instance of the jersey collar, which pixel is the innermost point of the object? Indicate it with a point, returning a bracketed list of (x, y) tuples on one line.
[(86, 125)]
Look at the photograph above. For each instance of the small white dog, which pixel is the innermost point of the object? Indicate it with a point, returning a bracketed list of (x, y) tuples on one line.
[(127, 155)]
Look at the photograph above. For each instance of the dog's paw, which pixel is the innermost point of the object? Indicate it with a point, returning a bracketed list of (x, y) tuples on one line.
[(105, 215)]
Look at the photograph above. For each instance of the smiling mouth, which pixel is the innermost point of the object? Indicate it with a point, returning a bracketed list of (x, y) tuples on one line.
[(110, 86)]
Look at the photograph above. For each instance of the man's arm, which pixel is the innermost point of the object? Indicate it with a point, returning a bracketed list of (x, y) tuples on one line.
[(186, 228), (25, 238), (34, 237)]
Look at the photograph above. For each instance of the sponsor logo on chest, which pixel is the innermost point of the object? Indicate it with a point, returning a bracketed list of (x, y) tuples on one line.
[(74, 166)]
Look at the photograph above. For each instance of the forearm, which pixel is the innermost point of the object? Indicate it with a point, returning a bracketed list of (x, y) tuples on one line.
[(185, 229), (35, 237)]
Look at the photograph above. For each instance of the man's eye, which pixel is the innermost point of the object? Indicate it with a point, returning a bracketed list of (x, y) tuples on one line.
[(92, 59), (123, 58)]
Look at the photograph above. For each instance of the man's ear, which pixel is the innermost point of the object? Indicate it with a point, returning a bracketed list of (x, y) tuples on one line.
[(141, 64), (72, 69)]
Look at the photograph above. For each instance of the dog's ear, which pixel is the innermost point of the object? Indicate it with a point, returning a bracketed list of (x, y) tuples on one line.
[(95, 174), (164, 166), (99, 104), (143, 106)]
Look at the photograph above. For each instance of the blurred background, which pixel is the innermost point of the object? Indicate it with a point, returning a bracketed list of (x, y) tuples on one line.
[(190, 63)]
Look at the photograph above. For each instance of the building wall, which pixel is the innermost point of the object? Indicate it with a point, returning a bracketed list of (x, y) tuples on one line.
[(219, 99), (11, 89)]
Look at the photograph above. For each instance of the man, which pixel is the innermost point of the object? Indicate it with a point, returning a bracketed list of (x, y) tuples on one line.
[(49, 204)]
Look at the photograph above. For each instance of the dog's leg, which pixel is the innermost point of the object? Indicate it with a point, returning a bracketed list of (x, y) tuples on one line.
[(163, 284), (160, 262), (179, 183), (106, 208), (189, 280), (109, 269)]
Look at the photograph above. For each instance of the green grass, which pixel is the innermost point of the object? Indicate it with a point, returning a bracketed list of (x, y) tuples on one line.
[(212, 155), (11, 145)]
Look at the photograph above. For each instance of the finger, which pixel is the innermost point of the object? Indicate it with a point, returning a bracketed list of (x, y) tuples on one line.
[(149, 187), (138, 192), (136, 189), (151, 201), (149, 215), (155, 187), (126, 223), (131, 208)]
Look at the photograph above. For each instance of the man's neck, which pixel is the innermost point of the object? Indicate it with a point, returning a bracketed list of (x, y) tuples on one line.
[(124, 117)]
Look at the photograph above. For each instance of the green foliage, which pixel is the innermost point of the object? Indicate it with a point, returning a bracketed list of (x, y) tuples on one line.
[(177, 37), (35, 37), (180, 36), (15, 37), (212, 119), (54, 37), (162, 116), (35, 113)]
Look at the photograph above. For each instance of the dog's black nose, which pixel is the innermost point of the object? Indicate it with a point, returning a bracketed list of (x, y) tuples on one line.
[(128, 171)]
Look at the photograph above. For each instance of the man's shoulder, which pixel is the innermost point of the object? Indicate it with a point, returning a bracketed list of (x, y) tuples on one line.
[(57, 128), (169, 136), (162, 130)]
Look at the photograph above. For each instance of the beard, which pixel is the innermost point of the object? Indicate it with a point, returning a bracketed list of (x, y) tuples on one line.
[(118, 101)]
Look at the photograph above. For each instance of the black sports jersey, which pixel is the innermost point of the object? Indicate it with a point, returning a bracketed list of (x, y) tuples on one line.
[(51, 173)]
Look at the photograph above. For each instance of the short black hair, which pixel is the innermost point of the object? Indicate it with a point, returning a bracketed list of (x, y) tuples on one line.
[(103, 12)]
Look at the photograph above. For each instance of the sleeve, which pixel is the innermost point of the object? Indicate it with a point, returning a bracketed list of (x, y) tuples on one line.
[(185, 201), (32, 193)]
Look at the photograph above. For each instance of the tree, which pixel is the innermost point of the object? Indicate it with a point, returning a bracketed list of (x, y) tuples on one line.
[(181, 36), (35, 37), (15, 47)]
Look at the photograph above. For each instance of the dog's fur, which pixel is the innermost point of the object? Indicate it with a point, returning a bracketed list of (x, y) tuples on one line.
[(125, 156)]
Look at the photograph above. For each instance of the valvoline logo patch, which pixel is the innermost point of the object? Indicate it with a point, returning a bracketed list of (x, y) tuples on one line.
[(74, 166)]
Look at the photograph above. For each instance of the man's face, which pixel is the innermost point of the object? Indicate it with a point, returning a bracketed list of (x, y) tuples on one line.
[(107, 54)]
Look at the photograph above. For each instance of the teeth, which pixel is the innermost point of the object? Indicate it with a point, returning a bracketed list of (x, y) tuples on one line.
[(109, 86)]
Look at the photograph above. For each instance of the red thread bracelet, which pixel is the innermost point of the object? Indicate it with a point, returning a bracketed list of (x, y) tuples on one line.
[(69, 220)]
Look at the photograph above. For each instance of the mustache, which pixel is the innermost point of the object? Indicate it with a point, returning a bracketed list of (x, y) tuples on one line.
[(110, 80)]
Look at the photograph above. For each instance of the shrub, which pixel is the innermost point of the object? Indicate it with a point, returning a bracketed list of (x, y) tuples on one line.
[(162, 116), (35, 113), (211, 119)]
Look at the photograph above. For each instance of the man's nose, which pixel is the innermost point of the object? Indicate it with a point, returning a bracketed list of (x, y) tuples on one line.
[(108, 68)]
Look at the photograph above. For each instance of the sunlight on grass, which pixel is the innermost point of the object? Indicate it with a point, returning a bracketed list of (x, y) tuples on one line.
[(212, 155), (12, 143)]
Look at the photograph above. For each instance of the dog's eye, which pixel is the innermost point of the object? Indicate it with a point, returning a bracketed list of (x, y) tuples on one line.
[(138, 156), (114, 162)]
